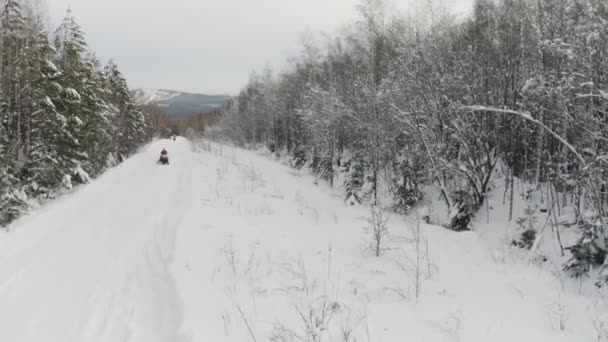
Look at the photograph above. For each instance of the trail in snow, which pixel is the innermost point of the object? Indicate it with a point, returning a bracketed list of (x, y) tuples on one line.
[(95, 265), (225, 244)]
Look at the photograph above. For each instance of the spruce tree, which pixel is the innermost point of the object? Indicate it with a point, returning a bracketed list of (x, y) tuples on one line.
[(44, 170), (127, 118), (81, 103)]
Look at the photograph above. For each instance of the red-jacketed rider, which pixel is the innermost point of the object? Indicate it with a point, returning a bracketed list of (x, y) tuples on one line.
[(164, 157)]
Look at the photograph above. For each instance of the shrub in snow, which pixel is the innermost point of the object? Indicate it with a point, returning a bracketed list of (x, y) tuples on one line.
[(323, 167), (408, 175), (378, 228), (405, 198), (315, 323), (424, 214), (526, 224), (589, 251), (526, 240), (79, 175), (67, 182), (462, 211), (113, 159), (13, 204), (407, 193), (355, 180), (299, 158), (600, 324)]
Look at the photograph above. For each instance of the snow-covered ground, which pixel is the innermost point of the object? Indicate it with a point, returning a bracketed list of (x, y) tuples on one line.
[(229, 245)]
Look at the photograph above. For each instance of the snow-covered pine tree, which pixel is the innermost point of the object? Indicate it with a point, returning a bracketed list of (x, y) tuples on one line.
[(322, 116), (127, 119), (55, 122), (13, 37), (354, 169), (12, 40), (44, 169), (408, 174), (82, 103)]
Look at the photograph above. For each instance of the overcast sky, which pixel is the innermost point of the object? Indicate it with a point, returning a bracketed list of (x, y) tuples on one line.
[(208, 46)]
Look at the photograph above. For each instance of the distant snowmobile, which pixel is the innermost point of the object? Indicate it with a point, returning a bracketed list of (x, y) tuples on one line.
[(164, 157)]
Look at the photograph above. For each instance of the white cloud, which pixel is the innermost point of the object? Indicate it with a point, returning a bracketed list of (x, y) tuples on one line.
[(202, 45)]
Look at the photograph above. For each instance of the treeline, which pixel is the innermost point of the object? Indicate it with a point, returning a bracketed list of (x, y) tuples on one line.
[(397, 104), (195, 124), (158, 121), (162, 125), (64, 118)]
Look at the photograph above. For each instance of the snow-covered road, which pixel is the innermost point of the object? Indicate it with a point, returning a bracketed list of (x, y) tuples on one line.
[(94, 266), (229, 245)]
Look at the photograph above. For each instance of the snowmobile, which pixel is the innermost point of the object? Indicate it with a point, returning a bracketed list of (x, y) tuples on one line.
[(164, 158)]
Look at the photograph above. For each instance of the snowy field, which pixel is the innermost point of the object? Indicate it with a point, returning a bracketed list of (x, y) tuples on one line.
[(229, 245)]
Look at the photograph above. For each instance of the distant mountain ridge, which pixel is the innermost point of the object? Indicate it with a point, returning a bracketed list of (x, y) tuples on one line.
[(177, 103)]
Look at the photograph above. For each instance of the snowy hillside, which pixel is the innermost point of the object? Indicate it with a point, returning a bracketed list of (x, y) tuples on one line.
[(177, 103), (151, 96), (229, 245)]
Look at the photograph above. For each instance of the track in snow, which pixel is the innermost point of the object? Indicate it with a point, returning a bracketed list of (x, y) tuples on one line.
[(94, 266)]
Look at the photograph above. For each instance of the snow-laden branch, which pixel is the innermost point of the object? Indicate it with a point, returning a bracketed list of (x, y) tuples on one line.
[(528, 117)]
